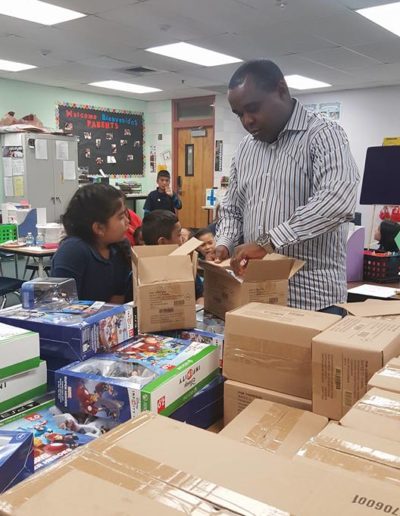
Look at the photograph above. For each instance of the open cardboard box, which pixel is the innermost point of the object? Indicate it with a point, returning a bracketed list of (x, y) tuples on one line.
[(163, 286), (373, 308), (265, 281)]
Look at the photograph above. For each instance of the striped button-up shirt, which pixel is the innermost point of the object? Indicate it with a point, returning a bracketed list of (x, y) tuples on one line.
[(301, 190)]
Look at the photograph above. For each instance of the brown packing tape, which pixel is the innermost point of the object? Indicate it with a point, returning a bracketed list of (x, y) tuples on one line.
[(362, 451), (355, 464), (279, 356), (273, 428), (117, 482), (379, 405)]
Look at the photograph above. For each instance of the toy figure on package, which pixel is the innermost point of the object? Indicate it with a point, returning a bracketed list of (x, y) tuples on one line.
[(56, 434), (121, 384)]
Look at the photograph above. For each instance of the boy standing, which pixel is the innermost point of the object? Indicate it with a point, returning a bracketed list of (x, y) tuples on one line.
[(163, 198)]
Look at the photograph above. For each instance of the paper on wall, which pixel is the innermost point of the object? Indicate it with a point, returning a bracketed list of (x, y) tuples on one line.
[(7, 167), (61, 150), (17, 167), (8, 187), (40, 149), (19, 186), (69, 171)]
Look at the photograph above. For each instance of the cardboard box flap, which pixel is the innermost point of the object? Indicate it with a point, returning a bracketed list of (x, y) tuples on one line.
[(264, 270), (147, 251), (164, 269), (187, 248), (372, 308), (271, 267)]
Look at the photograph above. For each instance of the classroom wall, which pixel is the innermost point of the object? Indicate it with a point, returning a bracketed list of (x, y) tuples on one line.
[(25, 98), (367, 115)]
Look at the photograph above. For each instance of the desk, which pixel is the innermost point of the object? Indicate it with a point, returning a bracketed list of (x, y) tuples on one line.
[(134, 198), (359, 297), (35, 252)]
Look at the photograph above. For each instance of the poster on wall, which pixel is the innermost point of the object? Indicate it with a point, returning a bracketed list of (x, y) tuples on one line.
[(218, 155), (110, 141), (329, 110)]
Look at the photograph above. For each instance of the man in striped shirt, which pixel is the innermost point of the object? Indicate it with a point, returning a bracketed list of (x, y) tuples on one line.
[(292, 188)]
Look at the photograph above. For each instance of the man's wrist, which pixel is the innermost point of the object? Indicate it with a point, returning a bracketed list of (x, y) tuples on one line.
[(266, 243)]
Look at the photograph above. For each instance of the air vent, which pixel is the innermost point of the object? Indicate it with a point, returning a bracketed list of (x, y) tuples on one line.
[(217, 88), (140, 69)]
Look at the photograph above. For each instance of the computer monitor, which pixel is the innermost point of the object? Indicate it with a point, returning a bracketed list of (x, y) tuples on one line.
[(381, 180)]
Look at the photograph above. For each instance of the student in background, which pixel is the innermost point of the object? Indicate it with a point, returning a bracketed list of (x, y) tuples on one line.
[(138, 236), (385, 234), (134, 222), (208, 247), (95, 252), (163, 198), (186, 234), (162, 228)]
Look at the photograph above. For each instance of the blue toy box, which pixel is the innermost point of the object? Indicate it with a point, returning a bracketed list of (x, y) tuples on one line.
[(54, 434), (153, 373), (16, 457), (205, 408), (209, 330), (78, 331)]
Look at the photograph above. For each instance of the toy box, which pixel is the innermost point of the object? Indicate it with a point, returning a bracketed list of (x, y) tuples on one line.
[(22, 387), (209, 330), (205, 408), (19, 350), (53, 364), (77, 332), (150, 373), (55, 434), (48, 293), (16, 457)]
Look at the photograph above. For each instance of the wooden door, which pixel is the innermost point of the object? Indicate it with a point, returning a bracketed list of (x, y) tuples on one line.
[(192, 188)]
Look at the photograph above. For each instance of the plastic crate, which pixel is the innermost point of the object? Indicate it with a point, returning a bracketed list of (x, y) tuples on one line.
[(8, 232), (381, 268)]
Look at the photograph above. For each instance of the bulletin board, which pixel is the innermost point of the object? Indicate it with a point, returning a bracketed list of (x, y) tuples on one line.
[(110, 141)]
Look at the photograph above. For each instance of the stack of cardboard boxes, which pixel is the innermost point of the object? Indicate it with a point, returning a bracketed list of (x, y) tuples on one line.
[(268, 355), (366, 441)]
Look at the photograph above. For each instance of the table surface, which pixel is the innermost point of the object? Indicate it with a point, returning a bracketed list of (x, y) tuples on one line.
[(28, 251)]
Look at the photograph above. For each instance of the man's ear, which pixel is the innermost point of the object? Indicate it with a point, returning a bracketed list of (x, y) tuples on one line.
[(283, 89), (98, 229), (162, 241)]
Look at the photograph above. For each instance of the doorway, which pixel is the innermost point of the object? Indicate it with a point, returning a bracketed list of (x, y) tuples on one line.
[(193, 157)]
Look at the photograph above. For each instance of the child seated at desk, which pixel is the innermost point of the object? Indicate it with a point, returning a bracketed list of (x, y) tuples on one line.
[(385, 234), (95, 252), (162, 227)]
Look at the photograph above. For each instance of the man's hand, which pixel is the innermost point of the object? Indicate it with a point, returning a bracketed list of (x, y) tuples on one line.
[(244, 253), (219, 254), (169, 191)]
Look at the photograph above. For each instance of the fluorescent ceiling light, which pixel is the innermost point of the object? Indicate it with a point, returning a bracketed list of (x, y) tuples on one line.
[(193, 54), (37, 11), (299, 82), (13, 66), (124, 86), (387, 16)]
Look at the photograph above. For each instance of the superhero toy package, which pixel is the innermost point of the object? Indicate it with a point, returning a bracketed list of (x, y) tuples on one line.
[(16, 458), (153, 373), (78, 331), (55, 434), (209, 330)]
